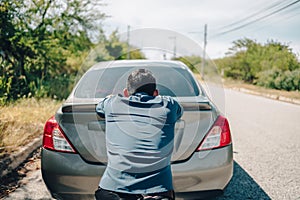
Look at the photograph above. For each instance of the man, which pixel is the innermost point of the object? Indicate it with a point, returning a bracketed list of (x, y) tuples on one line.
[(139, 141)]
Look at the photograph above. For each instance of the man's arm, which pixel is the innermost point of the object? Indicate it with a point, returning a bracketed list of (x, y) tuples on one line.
[(179, 110), (100, 108), (176, 109)]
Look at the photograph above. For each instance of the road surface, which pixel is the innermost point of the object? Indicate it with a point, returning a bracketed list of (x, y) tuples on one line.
[(266, 138)]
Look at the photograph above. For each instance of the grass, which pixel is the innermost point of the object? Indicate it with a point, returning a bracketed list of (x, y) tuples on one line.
[(22, 121), (289, 96)]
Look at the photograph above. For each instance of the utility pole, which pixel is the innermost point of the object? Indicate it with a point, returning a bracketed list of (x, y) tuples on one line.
[(174, 50), (128, 40), (204, 50), (174, 53)]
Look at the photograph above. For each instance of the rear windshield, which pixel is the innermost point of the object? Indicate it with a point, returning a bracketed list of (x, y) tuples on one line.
[(102, 82)]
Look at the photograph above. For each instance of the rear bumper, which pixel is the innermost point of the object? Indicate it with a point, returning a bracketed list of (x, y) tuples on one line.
[(67, 176), (204, 171)]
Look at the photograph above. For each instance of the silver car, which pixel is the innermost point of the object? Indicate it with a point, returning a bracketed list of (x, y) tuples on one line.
[(74, 153)]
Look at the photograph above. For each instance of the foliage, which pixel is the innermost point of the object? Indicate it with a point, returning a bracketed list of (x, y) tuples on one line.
[(272, 65), (193, 62), (118, 50), (43, 44), (23, 120), (287, 80), (37, 38)]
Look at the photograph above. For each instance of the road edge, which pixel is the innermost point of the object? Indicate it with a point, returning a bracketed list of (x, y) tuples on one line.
[(14, 160), (266, 95)]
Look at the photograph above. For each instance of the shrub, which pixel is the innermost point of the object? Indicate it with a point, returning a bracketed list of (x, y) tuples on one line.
[(276, 79)]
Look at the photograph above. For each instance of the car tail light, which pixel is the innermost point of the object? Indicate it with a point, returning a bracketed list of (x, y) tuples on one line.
[(54, 137), (218, 136)]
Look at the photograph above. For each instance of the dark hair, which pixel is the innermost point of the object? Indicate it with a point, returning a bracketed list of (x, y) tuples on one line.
[(141, 80)]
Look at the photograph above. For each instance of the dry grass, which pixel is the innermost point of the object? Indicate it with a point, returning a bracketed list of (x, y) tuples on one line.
[(22, 121), (288, 96), (274, 94)]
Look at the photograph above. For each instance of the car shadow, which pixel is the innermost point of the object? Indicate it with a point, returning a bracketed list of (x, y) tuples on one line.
[(242, 186)]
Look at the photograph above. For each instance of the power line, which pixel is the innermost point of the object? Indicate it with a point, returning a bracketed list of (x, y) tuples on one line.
[(292, 12), (252, 15), (256, 20)]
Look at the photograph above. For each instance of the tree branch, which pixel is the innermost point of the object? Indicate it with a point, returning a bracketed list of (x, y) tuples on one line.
[(44, 14)]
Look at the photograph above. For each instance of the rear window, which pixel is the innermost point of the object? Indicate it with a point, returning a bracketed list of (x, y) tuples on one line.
[(102, 82)]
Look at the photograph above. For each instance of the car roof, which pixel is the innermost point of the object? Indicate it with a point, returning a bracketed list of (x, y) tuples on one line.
[(138, 63)]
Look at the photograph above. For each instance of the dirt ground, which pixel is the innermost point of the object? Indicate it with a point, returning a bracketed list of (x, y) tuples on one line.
[(13, 180)]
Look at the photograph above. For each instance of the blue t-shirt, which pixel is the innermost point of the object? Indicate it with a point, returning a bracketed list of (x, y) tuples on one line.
[(139, 142)]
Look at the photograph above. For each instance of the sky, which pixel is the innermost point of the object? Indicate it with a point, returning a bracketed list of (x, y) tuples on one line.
[(227, 20)]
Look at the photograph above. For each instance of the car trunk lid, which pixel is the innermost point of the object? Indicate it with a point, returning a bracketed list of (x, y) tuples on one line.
[(86, 130)]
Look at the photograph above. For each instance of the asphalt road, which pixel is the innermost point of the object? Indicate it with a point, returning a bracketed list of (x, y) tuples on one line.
[(266, 138)]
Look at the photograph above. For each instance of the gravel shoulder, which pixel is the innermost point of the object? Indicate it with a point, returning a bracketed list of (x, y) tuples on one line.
[(280, 95), (16, 177)]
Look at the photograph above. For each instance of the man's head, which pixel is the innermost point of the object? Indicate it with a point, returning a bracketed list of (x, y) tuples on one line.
[(141, 80)]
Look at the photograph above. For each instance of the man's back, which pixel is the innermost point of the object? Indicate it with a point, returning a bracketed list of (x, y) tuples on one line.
[(139, 141), (139, 137)]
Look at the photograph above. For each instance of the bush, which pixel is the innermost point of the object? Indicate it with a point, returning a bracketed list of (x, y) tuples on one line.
[(276, 79), (59, 87)]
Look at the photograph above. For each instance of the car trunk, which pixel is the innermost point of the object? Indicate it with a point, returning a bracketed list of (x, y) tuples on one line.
[(86, 130)]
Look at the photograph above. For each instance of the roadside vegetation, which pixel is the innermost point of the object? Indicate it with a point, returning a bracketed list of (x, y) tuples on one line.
[(283, 95), (270, 69), (24, 120), (271, 65), (43, 45)]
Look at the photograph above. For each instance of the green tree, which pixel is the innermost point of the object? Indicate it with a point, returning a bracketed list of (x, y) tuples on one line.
[(118, 49), (271, 65), (193, 62), (244, 54), (43, 40)]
